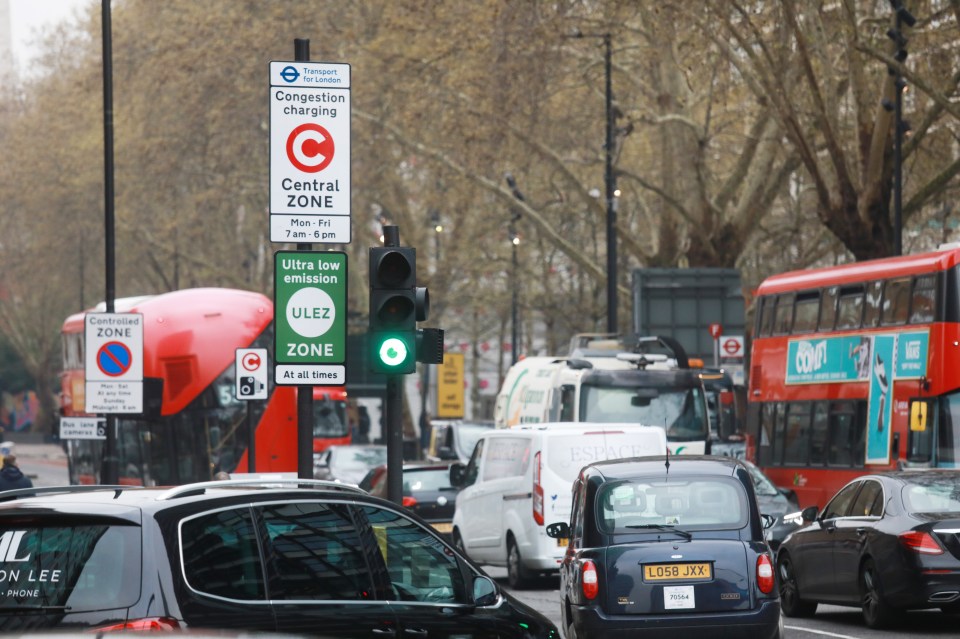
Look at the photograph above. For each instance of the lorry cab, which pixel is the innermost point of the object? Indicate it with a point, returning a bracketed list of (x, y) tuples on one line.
[(617, 387)]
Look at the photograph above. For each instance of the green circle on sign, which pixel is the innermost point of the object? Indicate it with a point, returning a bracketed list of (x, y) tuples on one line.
[(393, 351)]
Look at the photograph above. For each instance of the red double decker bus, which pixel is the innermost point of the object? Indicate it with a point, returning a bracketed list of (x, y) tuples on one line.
[(192, 425), (855, 369)]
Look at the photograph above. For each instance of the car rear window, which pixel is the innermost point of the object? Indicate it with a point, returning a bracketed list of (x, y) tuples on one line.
[(707, 503), (83, 566), (427, 479)]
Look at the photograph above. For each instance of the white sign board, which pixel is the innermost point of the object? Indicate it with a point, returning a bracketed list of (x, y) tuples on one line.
[(113, 365), (83, 428), (251, 369), (309, 152)]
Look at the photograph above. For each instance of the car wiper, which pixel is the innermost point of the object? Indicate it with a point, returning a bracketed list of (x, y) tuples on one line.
[(664, 528)]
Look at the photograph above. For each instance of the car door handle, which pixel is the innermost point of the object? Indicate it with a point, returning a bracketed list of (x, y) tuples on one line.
[(861, 531), (415, 632), (384, 631)]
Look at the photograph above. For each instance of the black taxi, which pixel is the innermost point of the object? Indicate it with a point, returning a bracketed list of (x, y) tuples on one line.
[(666, 547)]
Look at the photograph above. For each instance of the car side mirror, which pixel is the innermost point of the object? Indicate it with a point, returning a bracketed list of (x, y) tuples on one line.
[(809, 513), (484, 591), (768, 520), (558, 530), (458, 473), (446, 453)]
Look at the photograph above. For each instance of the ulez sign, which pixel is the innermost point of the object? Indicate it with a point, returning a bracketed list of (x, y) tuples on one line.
[(310, 323)]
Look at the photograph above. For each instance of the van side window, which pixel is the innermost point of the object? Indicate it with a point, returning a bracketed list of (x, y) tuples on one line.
[(506, 457), (567, 405)]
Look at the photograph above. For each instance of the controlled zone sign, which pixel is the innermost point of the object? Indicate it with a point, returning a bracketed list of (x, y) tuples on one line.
[(251, 373), (309, 152), (310, 318), (113, 364)]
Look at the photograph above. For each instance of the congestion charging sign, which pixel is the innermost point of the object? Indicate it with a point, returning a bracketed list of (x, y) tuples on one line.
[(113, 364), (309, 152), (310, 318)]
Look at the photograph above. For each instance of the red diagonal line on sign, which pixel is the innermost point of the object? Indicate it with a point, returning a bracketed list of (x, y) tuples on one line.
[(108, 353)]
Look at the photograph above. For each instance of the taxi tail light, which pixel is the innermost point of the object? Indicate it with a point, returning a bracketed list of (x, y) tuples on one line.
[(765, 579), (147, 624), (408, 501), (537, 491), (588, 579), (921, 542)]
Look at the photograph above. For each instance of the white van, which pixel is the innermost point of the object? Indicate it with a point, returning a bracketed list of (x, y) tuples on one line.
[(521, 476)]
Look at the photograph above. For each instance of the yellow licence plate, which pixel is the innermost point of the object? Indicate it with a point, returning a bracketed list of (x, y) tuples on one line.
[(562, 542), (677, 572), (443, 527)]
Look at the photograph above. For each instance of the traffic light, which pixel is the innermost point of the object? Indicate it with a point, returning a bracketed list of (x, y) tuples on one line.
[(396, 305)]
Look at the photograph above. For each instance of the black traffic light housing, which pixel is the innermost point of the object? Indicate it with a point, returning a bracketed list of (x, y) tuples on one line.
[(396, 305)]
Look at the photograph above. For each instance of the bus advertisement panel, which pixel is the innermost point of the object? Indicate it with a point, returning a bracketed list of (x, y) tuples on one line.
[(192, 425), (853, 370)]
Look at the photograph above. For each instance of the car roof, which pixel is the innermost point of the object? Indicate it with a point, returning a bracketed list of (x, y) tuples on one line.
[(679, 464), (122, 500), (568, 427)]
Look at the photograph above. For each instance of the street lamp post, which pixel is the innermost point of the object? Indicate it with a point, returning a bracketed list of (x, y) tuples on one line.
[(901, 17), (611, 184), (610, 180), (514, 306), (514, 241)]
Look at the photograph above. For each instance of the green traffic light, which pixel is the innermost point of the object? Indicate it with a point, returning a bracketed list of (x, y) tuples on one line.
[(393, 351)]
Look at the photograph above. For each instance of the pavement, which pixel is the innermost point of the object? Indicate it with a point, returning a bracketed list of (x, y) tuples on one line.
[(45, 464)]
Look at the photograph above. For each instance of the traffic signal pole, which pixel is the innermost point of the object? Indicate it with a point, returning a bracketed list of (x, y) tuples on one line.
[(396, 344)]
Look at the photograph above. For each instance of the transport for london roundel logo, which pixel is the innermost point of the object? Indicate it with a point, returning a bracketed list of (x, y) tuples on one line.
[(310, 147)]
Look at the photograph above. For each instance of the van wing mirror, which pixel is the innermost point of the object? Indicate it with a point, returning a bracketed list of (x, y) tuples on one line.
[(558, 530), (457, 474)]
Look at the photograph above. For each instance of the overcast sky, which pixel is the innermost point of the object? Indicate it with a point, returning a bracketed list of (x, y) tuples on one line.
[(26, 16)]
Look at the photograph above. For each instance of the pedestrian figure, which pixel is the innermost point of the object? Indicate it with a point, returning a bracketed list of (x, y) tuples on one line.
[(11, 477)]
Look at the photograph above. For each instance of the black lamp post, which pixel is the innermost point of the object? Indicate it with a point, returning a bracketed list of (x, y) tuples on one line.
[(514, 241), (901, 17), (610, 180), (514, 306)]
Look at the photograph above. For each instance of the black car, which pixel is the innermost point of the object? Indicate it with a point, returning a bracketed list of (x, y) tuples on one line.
[(289, 556), (779, 503), (426, 491), (886, 543), (666, 547)]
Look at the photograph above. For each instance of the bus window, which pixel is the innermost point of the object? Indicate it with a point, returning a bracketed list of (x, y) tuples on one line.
[(807, 309), (768, 416), (871, 309), (783, 316), (797, 436), (779, 425), (828, 308), (819, 435), (850, 307), (948, 431), (848, 425), (765, 321), (896, 301), (923, 302)]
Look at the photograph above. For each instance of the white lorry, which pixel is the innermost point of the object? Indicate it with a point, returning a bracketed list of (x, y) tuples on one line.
[(627, 388)]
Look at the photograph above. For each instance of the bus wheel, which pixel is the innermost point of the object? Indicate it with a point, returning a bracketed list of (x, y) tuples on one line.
[(790, 601), (876, 613)]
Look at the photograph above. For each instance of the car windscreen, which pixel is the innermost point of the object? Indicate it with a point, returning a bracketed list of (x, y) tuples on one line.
[(698, 503), (432, 479), (85, 566), (680, 410)]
